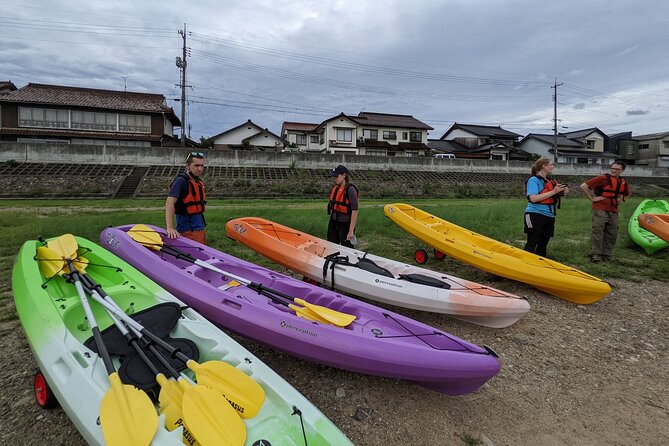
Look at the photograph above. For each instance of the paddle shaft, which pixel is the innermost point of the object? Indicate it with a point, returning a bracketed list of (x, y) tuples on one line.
[(259, 287), (94, 288), (102, 349)]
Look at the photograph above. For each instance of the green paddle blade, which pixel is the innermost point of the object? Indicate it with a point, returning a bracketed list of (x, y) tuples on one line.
[(243, 393), (127, 415), (334, 317), (146, 236), (210, 419)]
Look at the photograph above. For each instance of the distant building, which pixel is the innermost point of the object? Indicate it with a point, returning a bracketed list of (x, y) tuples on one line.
[(368, 133), (653, 149), (479, 141), (75, 115), (249, 136), (579, 147)]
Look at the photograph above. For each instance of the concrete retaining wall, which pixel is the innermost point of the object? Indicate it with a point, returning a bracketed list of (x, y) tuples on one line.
[(151, 156)]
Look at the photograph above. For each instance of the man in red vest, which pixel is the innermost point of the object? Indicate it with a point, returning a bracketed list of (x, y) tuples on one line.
[(186, 199), (606, 192)]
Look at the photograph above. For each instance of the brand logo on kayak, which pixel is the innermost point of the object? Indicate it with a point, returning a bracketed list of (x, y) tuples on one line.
[(388, 283), (111, 240), (376, 332), (261, 443), (300, 330), (239, 228)]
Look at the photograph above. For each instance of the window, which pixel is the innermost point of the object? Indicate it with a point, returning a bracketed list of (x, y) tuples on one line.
[(375, 152), (94, 121), (497, 157), (405, 136), (345, 135), (389, 134), (134, 123), (416, 136), (313, 139), (370, 134), (590, 143), (44, 117), (411, 153), (581, 160), (644, 146), (301, 140)]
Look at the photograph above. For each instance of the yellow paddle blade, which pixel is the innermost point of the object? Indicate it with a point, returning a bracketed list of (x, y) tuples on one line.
[(211, 419), (170, 399), (146, 236), (65, 245), (335, 317), (80, 263), (127, 415), (244, 394), (308, 314), (50, 262)]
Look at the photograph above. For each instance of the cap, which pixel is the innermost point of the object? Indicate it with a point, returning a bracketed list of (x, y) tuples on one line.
[(339, 170)]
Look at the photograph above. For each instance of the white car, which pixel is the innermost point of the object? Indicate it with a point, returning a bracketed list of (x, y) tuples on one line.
[(445, 155)]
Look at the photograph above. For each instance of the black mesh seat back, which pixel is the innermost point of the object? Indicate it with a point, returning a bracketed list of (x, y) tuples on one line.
[(159, 320), (134, 370), (425, 280), (369, 265)]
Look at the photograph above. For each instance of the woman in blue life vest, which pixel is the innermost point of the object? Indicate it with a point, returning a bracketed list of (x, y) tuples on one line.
[(343, 208), (186, 199), (543, 197)]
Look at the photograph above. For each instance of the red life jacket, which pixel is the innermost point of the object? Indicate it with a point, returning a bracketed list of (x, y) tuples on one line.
[(194, 202), (613, 189), (339, 201), (549, 185)]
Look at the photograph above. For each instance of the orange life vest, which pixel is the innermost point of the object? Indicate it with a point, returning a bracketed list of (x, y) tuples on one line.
[(549, 185), (194, 202), (339, 201), (613, 189)]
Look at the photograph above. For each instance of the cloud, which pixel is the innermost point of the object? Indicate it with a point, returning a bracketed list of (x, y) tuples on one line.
[(579, 106), (637, 111), (627, 50)]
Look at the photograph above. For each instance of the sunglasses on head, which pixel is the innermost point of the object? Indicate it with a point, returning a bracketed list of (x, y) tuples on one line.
[(195, 155)]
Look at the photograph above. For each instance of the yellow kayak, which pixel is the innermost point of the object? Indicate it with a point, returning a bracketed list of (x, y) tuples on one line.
[(498, 258)]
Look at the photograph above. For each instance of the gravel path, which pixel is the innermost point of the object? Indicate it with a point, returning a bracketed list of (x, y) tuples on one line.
[(571, 374)]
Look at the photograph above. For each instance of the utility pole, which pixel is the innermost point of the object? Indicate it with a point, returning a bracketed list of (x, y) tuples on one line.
[(555, 151), (181, 63)]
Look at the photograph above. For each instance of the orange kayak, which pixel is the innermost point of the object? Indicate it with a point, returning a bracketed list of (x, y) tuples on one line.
[(658, 224), (352, 271)]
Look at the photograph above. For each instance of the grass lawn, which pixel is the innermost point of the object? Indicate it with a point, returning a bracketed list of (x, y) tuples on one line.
[(500, 219)]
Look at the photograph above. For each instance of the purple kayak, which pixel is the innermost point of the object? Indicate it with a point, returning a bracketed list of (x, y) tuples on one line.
[(378, 342)]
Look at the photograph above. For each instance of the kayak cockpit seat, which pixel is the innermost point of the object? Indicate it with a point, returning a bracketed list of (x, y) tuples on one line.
[(159, 320), (369, 265), (422, 279)]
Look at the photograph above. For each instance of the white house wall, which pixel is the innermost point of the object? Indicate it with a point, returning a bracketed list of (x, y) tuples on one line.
[(267, 141), (237, 135), (536, 146), (460, 133)]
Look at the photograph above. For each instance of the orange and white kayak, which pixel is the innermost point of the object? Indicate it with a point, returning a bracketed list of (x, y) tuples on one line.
[(658, 224), (496, 257), (352, 271)]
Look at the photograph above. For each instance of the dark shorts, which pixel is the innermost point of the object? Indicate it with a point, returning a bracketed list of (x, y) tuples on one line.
[(539, 223)]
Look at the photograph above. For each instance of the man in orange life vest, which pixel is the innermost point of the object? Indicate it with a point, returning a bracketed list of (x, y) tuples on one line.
[(606, 192), (186, 199), (343, 208)]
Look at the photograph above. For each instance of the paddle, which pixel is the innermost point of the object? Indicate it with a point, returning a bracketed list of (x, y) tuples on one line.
[(244, 394), (203, 410), (127, 415), (151, 239)]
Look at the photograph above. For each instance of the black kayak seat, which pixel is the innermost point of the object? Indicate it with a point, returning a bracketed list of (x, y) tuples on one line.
[(425, 280), (369, 265)]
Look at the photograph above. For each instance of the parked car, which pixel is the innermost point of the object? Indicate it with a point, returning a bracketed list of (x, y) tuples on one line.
[(449, 156)]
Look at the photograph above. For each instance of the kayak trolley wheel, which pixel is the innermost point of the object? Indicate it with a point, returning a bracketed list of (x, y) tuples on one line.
[(438, 254), (43, 394), (420, 256)]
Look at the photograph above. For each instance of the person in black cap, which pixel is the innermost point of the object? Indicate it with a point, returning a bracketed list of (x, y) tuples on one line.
[(343, 208)]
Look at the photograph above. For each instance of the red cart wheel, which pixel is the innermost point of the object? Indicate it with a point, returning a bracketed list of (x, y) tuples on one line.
[(438, 254), (420, 256), (45, 398)]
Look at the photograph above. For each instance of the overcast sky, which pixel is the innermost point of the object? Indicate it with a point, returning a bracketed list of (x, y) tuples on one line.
[(470, 61)]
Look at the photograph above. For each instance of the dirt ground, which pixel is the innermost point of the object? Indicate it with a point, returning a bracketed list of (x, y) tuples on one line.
[(571, 375)]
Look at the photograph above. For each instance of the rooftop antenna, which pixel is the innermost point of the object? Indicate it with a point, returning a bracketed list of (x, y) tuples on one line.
[(125, 87)]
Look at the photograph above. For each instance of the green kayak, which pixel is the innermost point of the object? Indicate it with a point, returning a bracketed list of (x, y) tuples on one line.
[(650, 242), (73, 375)]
